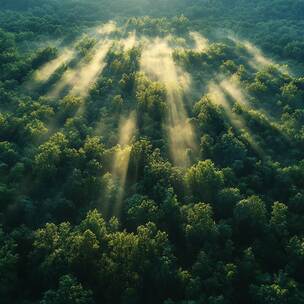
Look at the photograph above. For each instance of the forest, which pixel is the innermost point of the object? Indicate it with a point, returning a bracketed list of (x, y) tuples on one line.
[(151, 152)]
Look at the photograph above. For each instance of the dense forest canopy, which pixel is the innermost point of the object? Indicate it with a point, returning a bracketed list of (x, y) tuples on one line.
[(151, 151)]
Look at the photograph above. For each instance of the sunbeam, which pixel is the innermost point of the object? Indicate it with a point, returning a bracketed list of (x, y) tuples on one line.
[(232, 87), (46, 71), (158, 64), (107, 28), (129, 42), (258, 58), (79, 80), (151, 151), (217, 93), (127, 128), (200, 42)]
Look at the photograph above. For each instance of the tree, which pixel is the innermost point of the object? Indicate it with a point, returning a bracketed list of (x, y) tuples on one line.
[(43, 55), (225, 202), (295, 254), (279, 219), (209, 117), (69, 291), (281, 289), (199, 224), (141, 210), (229, 149), (204, 181), (250, 216), (8, 267), (50, 155)]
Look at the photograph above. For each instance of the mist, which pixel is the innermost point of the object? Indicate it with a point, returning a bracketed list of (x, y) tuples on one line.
[(79, 80), (126, 131), (158, 64)]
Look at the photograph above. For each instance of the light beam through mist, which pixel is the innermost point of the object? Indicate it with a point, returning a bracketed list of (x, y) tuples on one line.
[(79, 80), (231, 87), (107, 28), (158, 64), (258, 59), (121, 159), (129, 42), (47, 70), (217, 93), (201, 43)]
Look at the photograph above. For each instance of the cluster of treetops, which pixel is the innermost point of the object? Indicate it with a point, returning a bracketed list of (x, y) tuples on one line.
[(227, 229)]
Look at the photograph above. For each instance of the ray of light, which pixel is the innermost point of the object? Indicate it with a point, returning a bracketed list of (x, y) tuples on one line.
[(89, 73), (129, 42), (158, 64), (127, 128), (107, 28), (217, 94), (201, 43), (258, 59), (232, 87), (45, 72), (79, 80)]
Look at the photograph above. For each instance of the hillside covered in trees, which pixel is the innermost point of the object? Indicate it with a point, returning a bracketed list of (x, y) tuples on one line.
[(151, 152)]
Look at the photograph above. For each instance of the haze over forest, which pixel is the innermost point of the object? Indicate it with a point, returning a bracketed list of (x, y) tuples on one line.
[(151, 152)]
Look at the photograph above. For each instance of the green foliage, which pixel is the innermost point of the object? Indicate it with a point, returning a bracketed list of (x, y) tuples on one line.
[(199, 223), (204, 181), (85, 45), (69, 291), (93, 208), (8, 266), (251, 215)]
